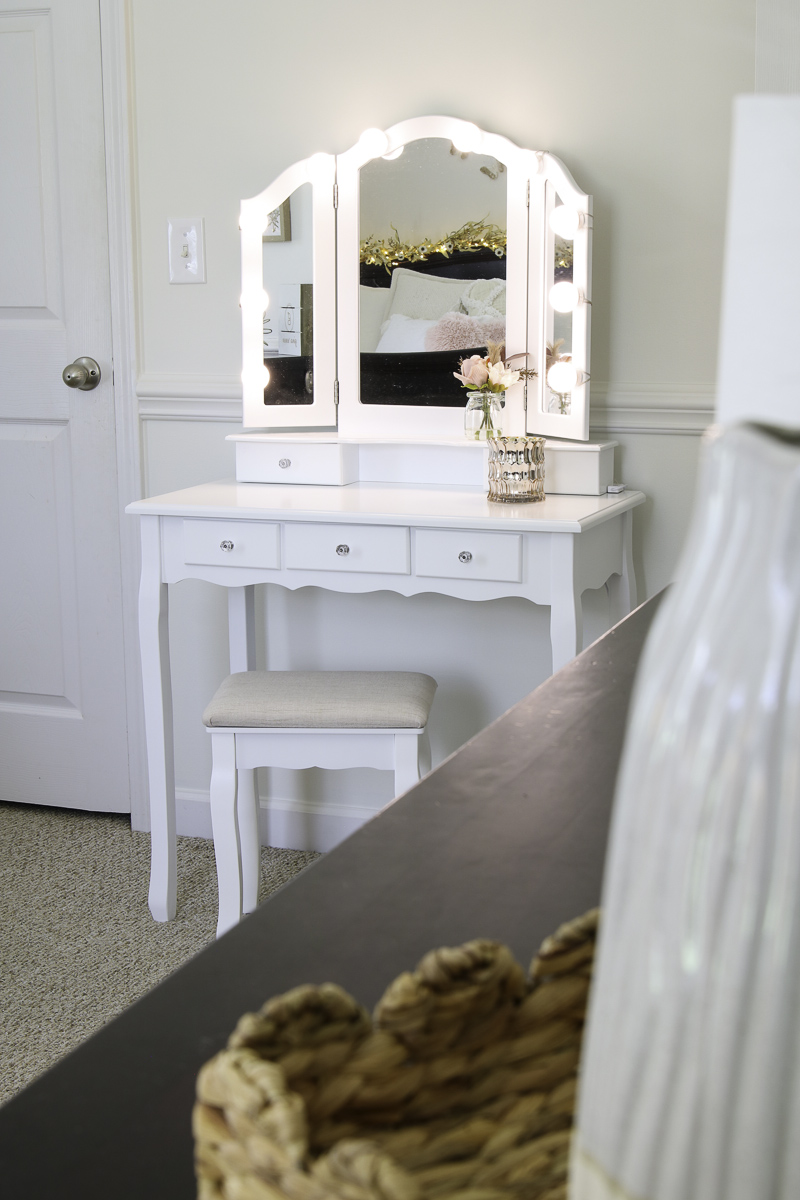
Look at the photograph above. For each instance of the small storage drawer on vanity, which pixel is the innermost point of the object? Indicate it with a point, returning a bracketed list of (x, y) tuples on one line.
[(267, 461), (382, 549), (447, 555), (232, 543)]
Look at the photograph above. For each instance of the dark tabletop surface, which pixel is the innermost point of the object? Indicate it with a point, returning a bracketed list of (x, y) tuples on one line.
[(504, 840)]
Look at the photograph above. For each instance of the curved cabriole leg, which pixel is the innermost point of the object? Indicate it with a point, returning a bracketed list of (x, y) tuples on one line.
[(225, 829), (249, 837), (406, 761), (566, 607), (621, 588), (157, 693)]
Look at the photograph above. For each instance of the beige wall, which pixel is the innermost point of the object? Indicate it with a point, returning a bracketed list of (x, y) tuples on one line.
[(634, 96)]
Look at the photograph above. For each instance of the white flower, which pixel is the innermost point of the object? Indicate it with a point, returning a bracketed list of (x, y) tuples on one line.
[(501, 377)]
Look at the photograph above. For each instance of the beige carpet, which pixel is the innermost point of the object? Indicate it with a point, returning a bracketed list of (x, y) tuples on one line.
[(77, 942)]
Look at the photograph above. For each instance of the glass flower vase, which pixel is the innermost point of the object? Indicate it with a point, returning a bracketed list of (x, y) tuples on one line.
[(689, 1081), (516, 469), (483, 416)]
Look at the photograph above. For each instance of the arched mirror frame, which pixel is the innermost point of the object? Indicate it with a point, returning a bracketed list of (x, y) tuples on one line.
[(320, 172), (535, 178)]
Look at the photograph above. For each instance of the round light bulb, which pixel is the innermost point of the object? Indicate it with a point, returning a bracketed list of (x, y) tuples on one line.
[(256, 379), (373, 143), (564, 296), (468, 138), (318, 166), (394, 154), (565, 221), (258, 299), (252, 220), (562, 377)]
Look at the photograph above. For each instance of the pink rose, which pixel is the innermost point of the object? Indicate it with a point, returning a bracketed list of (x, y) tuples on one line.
[(474, 371)]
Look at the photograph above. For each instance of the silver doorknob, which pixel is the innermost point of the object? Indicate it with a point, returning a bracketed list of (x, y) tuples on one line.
[(83, 374)]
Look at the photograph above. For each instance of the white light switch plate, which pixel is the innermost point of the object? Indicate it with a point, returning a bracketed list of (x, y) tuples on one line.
[(187, 260)]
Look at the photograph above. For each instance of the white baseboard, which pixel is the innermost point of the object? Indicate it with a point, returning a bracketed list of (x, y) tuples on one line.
[(287, 824)]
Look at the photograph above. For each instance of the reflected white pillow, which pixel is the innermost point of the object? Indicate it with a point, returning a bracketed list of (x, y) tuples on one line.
[(403, 335), (415, 294), (374, 309), (485, 298)]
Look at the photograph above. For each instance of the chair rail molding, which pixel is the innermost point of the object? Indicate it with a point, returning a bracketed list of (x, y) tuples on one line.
[(680, 408), (657, 408)]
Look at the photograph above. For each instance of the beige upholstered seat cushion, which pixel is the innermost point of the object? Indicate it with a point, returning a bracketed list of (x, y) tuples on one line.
[(322, 700)]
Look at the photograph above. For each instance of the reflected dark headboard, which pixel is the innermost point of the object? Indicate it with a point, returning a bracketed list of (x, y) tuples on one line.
[(463, 264)]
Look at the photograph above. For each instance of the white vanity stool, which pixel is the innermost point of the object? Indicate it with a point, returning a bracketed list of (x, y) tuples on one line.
[(302, 719)]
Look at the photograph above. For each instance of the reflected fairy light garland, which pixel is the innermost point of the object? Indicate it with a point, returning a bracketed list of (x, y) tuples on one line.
[(391, 252), (563, 253)]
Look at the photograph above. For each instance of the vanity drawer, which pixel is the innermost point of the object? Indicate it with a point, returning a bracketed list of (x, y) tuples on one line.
[(266, 461), (447, 555), (232, 543), (378, 549)]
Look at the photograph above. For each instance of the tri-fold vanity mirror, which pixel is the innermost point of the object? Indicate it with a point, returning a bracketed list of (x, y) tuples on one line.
[(367, 276)]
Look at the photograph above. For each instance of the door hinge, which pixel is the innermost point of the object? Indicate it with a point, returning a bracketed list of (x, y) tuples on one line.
[(528, 194), (336, 391), (336, 195)]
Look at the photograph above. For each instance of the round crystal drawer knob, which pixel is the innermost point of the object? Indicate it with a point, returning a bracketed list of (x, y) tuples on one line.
[(342, 550), (284, 462), (465, 556), (226, 545)]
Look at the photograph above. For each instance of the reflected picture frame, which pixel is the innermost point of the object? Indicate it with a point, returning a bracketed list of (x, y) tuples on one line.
[(279, 224)]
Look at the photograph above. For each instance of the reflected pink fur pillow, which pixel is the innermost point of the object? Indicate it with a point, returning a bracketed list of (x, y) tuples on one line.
[(457, 331)]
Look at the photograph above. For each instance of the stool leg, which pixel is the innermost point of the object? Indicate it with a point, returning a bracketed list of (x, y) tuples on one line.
[(406, 761), (249, 837), (424, 753), (225, 828)]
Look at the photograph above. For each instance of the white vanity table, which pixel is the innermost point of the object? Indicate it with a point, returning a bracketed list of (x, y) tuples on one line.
[(403, 538), (353, 473)]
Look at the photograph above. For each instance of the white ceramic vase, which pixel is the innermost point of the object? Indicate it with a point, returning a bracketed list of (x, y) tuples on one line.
[(691, 1072)]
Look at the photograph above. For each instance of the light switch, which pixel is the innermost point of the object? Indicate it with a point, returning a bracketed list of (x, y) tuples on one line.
[(187, 260)]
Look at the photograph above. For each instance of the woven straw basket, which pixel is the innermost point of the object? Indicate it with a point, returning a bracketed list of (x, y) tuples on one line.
[(461, 1088)]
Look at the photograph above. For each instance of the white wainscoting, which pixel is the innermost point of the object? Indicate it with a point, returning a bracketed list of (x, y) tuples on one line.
[(293, 824)]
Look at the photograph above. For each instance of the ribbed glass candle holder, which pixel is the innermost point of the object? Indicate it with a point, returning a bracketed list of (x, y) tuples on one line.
[(516, 469)]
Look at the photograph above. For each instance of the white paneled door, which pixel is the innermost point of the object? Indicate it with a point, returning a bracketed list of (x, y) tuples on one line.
[(62, 694)]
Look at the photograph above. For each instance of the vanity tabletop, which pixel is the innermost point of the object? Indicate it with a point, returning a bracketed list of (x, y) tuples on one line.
[(386, 504)]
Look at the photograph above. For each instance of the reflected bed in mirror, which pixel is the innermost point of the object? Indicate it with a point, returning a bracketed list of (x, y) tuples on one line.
[(432, 270)]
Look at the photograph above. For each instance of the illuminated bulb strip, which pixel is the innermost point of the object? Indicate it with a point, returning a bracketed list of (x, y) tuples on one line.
[(468, 138), (258, 300), (564, 377), (255, 379), (373, 143), (318, 167), (565, 221), (565, 297)]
